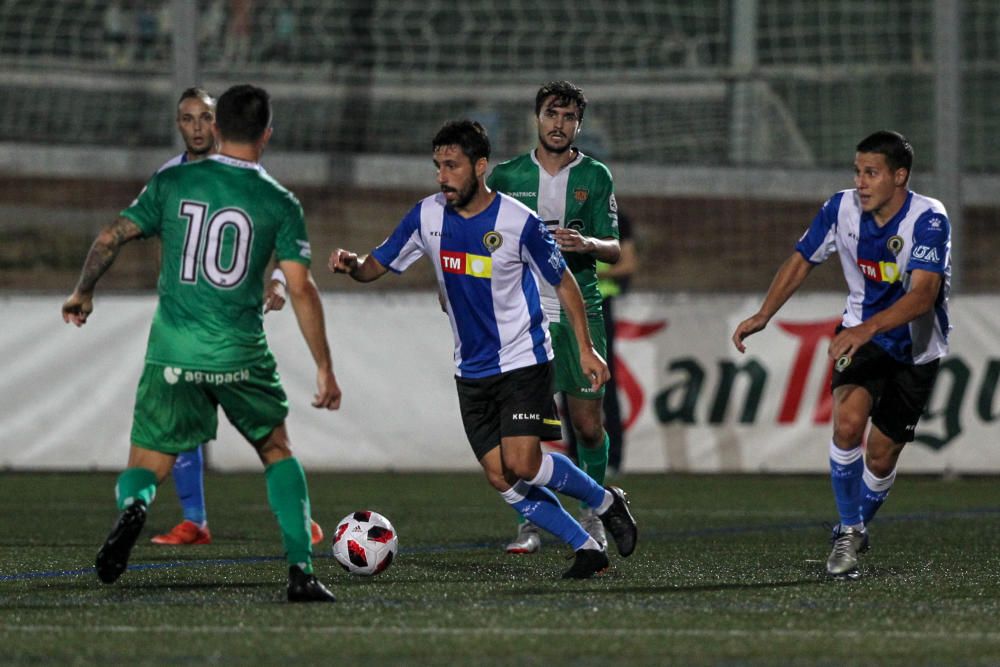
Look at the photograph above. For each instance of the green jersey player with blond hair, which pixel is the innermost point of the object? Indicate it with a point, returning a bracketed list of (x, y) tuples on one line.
[(574, 194), (219, 221)]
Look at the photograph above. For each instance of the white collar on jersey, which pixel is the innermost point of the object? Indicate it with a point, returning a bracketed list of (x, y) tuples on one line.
[(234, 162), (579, 157)]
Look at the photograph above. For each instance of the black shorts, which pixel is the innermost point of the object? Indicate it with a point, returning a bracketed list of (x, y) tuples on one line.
[(899, 391), (509, 404)]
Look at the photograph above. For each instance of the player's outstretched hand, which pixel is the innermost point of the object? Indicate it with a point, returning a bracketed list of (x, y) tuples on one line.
[(343, 261), (327, 392), (748, 327), (78, 308), (274, 296)]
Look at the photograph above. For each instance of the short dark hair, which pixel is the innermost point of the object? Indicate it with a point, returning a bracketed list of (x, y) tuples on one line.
[(243, 113), (894, 146), (468, 135), (565, 93), (198, 93)]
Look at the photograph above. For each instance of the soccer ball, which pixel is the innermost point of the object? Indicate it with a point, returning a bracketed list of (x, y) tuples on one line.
[(365, 543)]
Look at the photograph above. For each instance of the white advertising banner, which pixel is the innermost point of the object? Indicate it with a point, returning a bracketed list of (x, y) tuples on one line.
[(691, 402), (696, 404)]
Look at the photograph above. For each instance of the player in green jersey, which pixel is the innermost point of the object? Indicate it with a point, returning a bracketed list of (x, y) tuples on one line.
[(574, 195), (194, 118), (219, 221)]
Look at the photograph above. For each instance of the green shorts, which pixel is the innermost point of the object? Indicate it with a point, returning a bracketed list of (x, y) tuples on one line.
[(569, 376), (176, 409)]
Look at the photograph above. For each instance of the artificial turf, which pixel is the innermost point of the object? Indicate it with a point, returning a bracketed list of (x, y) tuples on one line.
[(729, 570)]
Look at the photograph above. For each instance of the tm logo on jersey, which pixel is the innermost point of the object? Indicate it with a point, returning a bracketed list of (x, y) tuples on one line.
[(884, 272), (477, 266)]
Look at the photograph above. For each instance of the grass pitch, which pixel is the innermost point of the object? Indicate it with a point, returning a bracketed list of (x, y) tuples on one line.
[(729, 570)]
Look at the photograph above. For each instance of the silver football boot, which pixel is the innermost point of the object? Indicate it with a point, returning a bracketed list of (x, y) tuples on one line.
[(594, 527), (528, 540), (843, 560)]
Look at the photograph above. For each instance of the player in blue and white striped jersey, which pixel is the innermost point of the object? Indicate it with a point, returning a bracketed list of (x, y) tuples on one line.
[(895, 251), (491, 255)]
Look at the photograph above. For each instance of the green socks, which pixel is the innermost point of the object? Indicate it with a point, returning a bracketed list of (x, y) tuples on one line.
[(135, 484), (289, 499), (594, 462)]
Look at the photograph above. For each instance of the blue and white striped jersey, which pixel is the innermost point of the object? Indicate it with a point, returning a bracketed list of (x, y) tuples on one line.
[(174, 161), (877, 262), (489, 268)]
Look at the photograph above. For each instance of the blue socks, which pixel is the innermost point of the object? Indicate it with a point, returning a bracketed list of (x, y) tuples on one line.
[(858, 492), (560, 474), (541, 507), (874, 491), (536, 503), (189, 480), (846, 468)]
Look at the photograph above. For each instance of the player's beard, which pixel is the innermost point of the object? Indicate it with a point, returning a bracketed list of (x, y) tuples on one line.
[(558, 150), (466, 194)]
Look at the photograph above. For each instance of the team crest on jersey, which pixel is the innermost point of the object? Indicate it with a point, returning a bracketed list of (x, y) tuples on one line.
[(894, 244), (581, 194), (492, 240), (575, 224)]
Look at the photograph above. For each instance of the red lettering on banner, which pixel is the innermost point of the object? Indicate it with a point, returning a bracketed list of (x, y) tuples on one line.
[(626, 381), (809, 335), (628, 384), (452, 262), (625, 330), (824, 406)]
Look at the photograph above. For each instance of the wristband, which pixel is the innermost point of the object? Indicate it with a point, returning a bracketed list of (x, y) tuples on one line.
[(279, 275)]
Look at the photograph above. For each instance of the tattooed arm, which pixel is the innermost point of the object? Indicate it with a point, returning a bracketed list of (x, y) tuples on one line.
[(102, 255)]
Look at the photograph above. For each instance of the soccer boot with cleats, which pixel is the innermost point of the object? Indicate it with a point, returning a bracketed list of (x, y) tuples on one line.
[(835, 533), (587, 563), (618, 521), (304, 587), (528, 540), (843, 560), (112, 559), (186, 532), (594, 527)]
